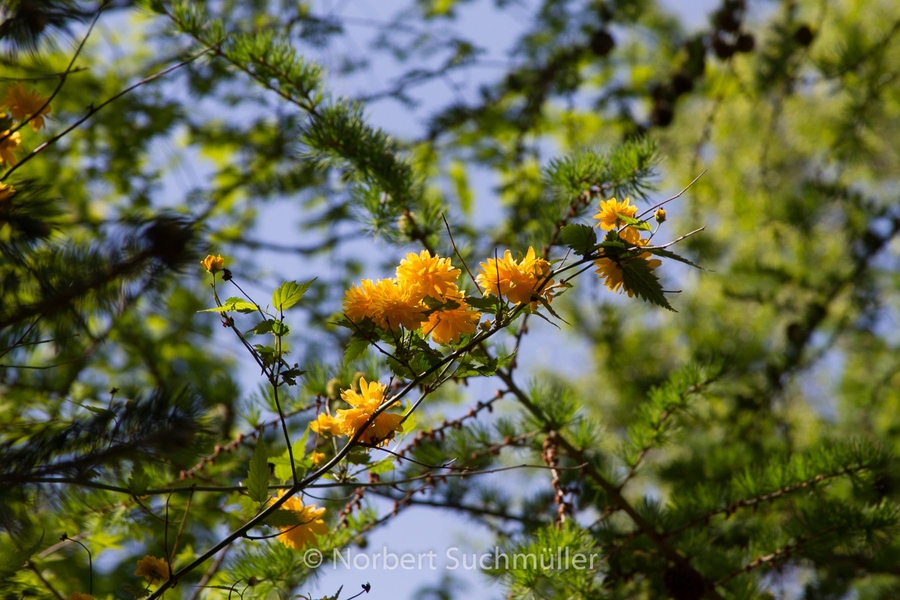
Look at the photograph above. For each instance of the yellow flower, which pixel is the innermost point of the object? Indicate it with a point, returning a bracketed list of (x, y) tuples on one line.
[(426, 275), (310, 525), (517, 281), (8, 144), (365, 403), (152, 568), (611, 274), (80, 596), (388, 304), (318, 458), (630, 235), (610, 211), (358, 301), (213, 264), (447, 325), (325, 425), (24, 103), (660, 215), (394, 306)]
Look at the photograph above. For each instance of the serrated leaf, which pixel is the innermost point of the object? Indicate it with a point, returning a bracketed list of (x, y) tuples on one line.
[(257, 483), (636, 223), (433, 304), (546, 304), (282, 462), (290, 375), (280, 329), (289, 293), (487, 304), (382, 466), (638, 277), (359, 457), (666, 254), (614, 244), (580, 238), (236, 304), (355, 349), (138, 482), (283, 518), (262, 327)]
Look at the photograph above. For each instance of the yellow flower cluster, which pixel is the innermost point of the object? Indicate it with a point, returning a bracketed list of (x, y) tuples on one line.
[(400, 302), (25, 106), (519, 282), (310, 524), (349, 421), (610, 217)]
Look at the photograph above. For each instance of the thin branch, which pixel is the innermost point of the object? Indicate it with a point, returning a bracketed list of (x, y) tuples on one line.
[(675, 197), (92, 110)]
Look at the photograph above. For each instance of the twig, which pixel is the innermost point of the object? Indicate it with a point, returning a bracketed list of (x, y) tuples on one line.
[(92, 110), (675, 197)]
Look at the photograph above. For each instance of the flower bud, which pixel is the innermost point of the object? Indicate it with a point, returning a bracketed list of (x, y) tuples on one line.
[(660, 215)]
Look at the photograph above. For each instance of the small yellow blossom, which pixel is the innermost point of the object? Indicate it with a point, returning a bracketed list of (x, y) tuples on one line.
[(24, 103), (448, 325), (310, 524), (610, 211), (152, 569), (8, 144), (516, 280), (426, 275), (213, 264), (365, 403), (325, 425), (660, 215), (318, 458), (80, 596)]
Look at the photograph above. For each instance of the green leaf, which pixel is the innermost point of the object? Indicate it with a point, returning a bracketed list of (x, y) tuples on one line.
[(487, 304), (639, 278), (262, 327), (355, 349), (235, 304), (636, 223), (266, 354), (280, 329), (289, 293), (282, 518), (290, 376), (382, 466), (138, 482), (258, 476), (359, 457), (282, 462), (580, 238), (546, 304), (673, 256)]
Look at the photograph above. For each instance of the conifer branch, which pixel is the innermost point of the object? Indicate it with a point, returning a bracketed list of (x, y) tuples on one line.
[(609, 488)]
